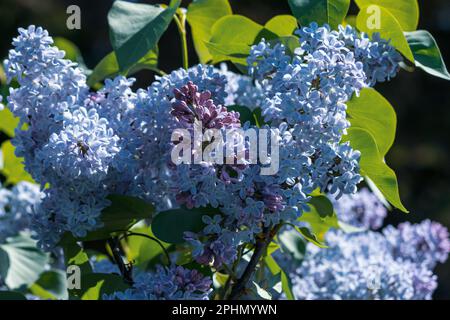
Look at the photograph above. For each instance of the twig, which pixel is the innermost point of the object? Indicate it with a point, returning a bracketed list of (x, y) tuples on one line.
[(260, 247), (119, 257), (151, 238), (181, 24)]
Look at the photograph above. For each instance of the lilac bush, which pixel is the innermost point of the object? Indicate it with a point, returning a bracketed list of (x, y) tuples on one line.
[(116, 163)]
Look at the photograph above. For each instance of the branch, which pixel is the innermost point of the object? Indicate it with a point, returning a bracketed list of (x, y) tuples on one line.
[(260, 248), (119, 258)]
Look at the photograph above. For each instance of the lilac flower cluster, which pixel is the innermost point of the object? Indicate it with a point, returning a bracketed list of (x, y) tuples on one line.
[(166, 283), (16, 207), (361, 210), (361, 266), (396, 263), (426, 243), (88, 145), (242, 90)]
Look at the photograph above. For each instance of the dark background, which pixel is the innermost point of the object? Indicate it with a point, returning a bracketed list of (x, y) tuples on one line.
[(420, 155)]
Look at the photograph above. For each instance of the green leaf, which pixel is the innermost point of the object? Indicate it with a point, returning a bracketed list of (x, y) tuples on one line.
[(169, 226), (51, 285), (282, 25), (427, 54), (11, 295), (323, 206), (231, 38), (220, 278), (331, 12), (311, 237), (287, 286), (8, 122), (390, 29), (21, 262), (136, 28), (109, 68), (254, 117), (372, 112), (95, 285), (75, 255), (259, 120), (319, 220), (405, 11), (121, 215), (290, 43), (275, 269), (372, 165), (201, 16), (293, 244), (13, 168)]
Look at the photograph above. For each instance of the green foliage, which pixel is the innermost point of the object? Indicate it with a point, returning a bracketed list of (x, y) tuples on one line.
[(390, 28), (275, 269), (331, 12), (293, 244), (282, 25), (8, 122), (231, 38), (75, 255), (254, 117), (52, 285), (95, 285), (136, 29), (169, 226), (108, 67), (201, 16), (427, 54), (323, 206), (21, 262), (143, 250), (233, 35), (373, 165), (320, 219), (372, 112), (13, 168), (406, 12)]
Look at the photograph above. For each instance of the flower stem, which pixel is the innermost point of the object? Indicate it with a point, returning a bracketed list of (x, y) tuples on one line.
[(180, 20)]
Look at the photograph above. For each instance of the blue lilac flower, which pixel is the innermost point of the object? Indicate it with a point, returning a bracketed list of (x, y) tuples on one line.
[(91, 144), (360, 266), (166, 283), (425, 243), (242, 90), (49, 87), (361, 210), (16, 206)]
